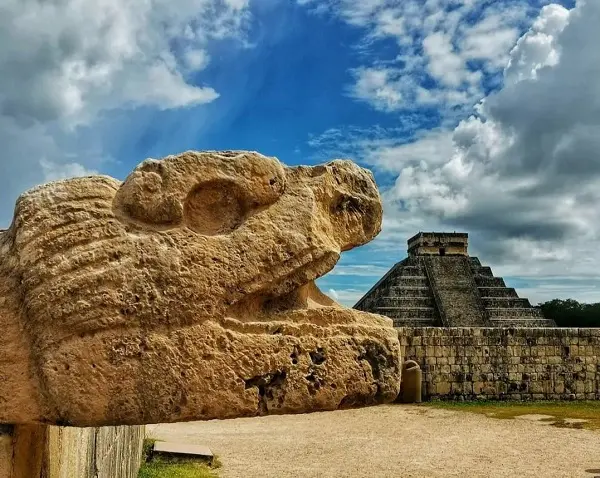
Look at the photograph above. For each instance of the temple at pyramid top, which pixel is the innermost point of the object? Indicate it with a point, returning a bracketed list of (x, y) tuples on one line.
[(439, 284), (438, 244)]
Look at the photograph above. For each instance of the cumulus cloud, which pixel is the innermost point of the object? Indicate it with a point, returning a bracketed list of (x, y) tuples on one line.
[(53, 171), (522, 173), (446, 50), (526, 165), (68, 59), (347, 297), (64, 62)]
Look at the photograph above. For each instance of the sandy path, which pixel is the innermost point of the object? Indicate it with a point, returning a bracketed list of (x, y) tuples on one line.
[(391, 441)]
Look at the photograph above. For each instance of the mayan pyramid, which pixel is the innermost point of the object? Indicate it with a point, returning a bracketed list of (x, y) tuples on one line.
[(439, 284)]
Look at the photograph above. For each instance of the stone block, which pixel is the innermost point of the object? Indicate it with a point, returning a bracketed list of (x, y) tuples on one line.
[(443, 388), (456, 388), (478, 387), (536, 387), (186, 292), (6, 454)]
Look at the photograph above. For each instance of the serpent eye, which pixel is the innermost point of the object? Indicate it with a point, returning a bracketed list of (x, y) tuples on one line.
[(215, 207)]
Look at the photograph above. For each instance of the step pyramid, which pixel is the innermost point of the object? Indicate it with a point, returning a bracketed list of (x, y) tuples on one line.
[(439, 284)]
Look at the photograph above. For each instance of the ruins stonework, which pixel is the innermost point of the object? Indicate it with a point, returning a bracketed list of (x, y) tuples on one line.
[(440, 285), (187, 292), (524, 363)]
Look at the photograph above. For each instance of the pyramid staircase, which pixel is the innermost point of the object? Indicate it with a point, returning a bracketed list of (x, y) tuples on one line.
[(503, 305), (448, 291), (405, 295)]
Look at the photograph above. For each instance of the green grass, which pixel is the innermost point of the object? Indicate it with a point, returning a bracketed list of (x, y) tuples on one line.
[(586, 410), (161, 467)]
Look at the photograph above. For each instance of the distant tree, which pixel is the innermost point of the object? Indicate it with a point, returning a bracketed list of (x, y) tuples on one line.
[(570, 313)]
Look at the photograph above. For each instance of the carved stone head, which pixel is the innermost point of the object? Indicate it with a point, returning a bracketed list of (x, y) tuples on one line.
[(186, 292)]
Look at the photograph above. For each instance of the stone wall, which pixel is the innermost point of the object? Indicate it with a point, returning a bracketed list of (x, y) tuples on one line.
[(514, 363), (68, 452)]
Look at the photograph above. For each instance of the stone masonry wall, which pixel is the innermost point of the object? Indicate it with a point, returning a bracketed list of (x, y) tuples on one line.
[(513, 363)]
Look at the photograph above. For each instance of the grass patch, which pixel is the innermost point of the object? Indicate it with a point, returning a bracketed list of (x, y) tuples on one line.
[(161, 467), (560, 411)]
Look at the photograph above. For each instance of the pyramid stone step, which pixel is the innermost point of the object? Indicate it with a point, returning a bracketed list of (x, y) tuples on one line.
[(498, 292), (409, 292), (483, 271), (410, 271), (483, 281), (415, 322), (515, 313), (409, 281), (475, 262), (405, 302), (513, 322), (407, 312), (505, 302)]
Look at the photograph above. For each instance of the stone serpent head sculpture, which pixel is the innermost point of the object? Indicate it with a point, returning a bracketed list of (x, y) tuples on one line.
[(186, 292)]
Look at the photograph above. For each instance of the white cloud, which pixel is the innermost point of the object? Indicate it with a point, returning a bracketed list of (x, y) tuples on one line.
[(537, 49), (53, 171), (437, 43), (66, 62), (382, 87), (196, 59), (347, 297), (356, 270), (445, 65), (522, 174)]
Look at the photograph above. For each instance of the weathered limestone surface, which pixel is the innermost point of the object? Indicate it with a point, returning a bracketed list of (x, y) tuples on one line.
[(505, 363), (187, 292)]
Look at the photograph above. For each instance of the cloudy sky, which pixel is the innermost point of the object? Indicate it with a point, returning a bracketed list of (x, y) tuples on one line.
[(475, 115)]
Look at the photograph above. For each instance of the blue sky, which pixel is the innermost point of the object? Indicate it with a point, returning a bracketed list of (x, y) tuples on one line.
[(474, 115)]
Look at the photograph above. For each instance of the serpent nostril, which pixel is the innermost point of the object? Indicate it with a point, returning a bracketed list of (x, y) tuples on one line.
[(346, 204)]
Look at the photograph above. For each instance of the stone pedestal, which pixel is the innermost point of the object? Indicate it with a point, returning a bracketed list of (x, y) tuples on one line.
[(36, 451), (22, 450), (6, 451)]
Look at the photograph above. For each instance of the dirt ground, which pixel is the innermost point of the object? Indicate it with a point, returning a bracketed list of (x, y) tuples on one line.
[(391, 441)]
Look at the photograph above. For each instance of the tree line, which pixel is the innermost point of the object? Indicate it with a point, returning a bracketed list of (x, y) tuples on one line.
[(570, 313)]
